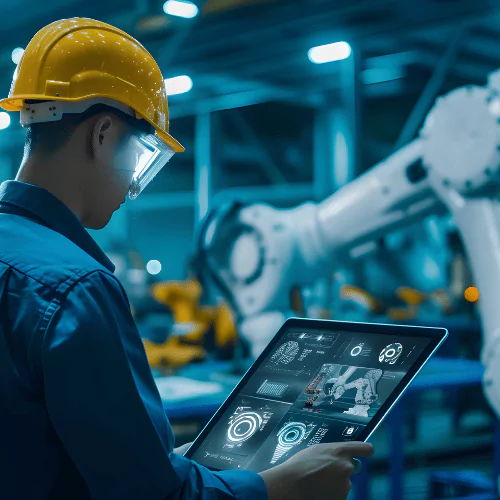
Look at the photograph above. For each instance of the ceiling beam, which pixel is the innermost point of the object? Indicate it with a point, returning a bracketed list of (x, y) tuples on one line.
[(334, 20), (236, 100)]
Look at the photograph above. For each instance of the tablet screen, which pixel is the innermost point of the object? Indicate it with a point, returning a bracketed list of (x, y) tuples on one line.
[(313, 386)]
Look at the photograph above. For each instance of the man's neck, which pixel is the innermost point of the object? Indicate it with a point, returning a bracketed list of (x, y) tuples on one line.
[(52, 176)]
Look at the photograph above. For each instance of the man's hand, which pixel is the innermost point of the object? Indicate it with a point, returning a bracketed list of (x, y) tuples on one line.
[(182, 449), (320, 472)]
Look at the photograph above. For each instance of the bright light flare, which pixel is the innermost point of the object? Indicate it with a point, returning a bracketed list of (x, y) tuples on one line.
[(153, 267), (17, 53), (4, 120), (178, 85), (177, 8), (329, 53)]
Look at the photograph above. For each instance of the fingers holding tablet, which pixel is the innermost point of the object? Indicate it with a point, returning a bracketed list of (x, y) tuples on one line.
[(319, 390), (355, 449), (319, 471)]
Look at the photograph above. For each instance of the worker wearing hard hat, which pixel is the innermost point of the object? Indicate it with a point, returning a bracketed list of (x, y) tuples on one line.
[(80, 415)]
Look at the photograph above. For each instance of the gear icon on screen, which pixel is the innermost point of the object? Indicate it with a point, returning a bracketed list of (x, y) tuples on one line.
[(390, 353), (356, 351)]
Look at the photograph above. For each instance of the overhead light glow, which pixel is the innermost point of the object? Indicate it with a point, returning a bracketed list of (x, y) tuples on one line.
[(153, 267), (329, 53), (4, 120), (17, 53), (178, 85), (180, 9)]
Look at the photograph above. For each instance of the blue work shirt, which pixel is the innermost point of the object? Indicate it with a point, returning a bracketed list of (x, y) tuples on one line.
[(80, 414)]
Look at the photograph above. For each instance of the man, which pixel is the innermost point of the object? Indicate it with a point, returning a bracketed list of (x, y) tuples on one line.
[(80, 415)]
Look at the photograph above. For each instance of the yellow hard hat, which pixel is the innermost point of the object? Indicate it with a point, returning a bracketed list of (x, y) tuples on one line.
[(76, 59)]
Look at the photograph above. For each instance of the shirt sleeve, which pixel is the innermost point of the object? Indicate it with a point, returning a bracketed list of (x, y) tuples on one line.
[(105, 408)]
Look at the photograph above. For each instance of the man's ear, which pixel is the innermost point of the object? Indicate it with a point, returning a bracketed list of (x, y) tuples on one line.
[(102, 137)]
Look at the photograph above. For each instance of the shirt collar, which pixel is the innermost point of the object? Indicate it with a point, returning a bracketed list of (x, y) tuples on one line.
[(44, 206)]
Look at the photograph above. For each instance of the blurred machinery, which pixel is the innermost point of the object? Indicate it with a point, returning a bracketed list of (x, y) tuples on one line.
[(176, 327), (256, 254), (418, 273), (196, 328)]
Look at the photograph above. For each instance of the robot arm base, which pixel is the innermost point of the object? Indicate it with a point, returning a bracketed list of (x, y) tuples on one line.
[(259, 329)]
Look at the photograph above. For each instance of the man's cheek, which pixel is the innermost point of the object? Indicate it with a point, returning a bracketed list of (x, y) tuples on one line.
[(124, 178)]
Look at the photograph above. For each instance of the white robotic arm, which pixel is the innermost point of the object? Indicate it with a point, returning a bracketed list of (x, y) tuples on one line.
[(461, 138), (258, 252)]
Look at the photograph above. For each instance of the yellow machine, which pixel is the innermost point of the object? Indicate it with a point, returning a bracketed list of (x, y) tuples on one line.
[(183, 298), (410, 297)]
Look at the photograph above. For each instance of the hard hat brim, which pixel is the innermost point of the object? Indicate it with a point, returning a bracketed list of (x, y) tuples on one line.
[(14, 104), (173, 143)]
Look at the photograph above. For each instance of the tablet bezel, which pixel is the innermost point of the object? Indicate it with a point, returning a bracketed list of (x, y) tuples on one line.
[(436, 336)]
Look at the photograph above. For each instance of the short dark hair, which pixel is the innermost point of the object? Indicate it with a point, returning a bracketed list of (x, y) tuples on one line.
[(50, 136)]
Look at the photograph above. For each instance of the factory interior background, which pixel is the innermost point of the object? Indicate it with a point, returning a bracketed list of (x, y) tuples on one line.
[(281, 103)]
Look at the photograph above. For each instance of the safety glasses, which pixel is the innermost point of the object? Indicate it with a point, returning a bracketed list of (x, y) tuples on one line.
[(146, 155)]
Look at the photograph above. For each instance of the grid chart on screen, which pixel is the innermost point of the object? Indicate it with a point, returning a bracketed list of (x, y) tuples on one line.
[(272, 389)]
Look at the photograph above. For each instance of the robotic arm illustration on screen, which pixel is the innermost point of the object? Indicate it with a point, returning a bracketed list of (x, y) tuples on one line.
[(330, 385), (256, 253), (366, 393)]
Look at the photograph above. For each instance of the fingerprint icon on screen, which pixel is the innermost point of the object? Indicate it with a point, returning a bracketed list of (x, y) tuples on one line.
[(286, 353)]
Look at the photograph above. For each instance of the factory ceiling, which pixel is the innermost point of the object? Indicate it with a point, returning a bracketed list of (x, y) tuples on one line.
[(252, 54)]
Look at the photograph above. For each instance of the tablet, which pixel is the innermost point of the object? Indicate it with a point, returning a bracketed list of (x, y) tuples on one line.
[(317, 381)]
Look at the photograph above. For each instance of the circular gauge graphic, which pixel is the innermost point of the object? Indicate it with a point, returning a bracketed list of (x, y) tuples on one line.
[(286, 353), (244, 426), (355, 351), (292, 434), (390, 353)]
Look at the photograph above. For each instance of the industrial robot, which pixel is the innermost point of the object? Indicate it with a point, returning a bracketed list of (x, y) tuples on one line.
[(192, 323), (366, 393), (256, 254), (335, 387)]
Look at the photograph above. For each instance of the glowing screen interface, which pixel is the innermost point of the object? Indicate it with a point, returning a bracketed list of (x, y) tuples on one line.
[(313, 387)]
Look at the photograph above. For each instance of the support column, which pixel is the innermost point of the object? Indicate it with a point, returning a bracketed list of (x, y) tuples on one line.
[(207, 155), (336, 151), (336, 132), (431, 90)]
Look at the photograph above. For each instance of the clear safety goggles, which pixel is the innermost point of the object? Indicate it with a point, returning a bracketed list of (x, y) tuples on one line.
[(146, 155)]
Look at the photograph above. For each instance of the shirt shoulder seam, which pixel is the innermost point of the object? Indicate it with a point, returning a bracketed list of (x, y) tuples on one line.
[(66, 285), (63, 290), (55, 301)]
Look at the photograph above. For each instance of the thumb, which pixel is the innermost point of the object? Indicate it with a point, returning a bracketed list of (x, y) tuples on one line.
[(182, 449)]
